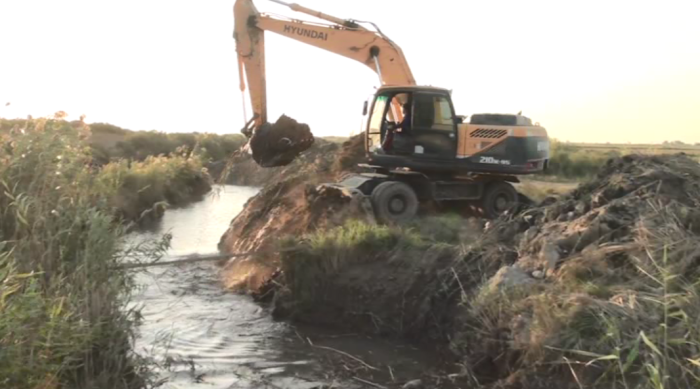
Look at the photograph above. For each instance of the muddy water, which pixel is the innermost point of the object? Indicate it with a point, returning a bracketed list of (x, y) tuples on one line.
[(202, 336)]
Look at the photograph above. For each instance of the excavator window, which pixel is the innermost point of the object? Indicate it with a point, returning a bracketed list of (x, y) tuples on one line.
[(376, 122), (433, 112)]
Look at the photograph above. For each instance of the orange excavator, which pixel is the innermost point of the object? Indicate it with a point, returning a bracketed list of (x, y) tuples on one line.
[(278, 144), (416, 146)]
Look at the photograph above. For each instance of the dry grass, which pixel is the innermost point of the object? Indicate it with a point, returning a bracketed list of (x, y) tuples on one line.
[(539, 190), (621, 312)]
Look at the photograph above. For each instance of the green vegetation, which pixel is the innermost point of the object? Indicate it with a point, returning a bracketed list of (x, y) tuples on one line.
[(144, 172), (572, 163), (580, 161), (62, 317), (309, 262), (144, 189), (209, 147), (111, 143)]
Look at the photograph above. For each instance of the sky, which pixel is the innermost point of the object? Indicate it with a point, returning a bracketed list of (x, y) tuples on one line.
[(597, 71)]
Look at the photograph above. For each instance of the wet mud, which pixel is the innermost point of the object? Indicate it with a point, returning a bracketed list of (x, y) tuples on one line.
[(278, 144)]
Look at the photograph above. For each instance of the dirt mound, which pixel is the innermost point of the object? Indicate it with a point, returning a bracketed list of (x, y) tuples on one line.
[(580, 266), (290, 203), (325, 159), (571, 279), (280, 143)]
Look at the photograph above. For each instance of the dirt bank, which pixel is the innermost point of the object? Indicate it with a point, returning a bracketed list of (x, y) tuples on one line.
[(282, 206), (555, 296), (323, 157)]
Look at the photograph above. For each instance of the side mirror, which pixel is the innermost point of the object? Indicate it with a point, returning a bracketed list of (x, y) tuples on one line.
[(459, 119), (364, 108)]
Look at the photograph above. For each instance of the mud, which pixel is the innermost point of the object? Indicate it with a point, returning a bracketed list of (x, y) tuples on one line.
[(282, 207), (280, 143), (450, 296)]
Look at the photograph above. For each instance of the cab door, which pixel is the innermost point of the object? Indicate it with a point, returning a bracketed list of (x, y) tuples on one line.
[(434, 130)]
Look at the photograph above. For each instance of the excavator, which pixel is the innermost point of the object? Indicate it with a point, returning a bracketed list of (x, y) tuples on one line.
[(417, 148)]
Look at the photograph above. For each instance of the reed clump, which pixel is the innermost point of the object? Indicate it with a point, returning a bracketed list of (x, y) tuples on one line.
[(63, 322)]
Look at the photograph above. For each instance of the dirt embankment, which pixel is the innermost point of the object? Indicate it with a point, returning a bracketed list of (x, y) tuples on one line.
[(528, 301), (324, 158), (282, 207)]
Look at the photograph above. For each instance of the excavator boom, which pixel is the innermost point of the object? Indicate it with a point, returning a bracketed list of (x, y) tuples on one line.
[(278, 144)]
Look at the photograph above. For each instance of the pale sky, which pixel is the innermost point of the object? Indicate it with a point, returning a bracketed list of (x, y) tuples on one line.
[(594, 71)]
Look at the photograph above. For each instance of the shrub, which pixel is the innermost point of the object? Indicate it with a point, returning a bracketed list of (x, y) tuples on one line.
[(209, 147), (62, 316), (145, 188)]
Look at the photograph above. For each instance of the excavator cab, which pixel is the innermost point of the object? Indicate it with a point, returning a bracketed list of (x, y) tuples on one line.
[(436, 139), (429, 132)]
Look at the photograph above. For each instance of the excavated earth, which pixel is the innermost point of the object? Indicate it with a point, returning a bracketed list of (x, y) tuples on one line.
[(280, 143), (450, 296), (288, 204)]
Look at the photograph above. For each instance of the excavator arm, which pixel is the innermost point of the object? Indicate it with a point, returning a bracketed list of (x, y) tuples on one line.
[(278, 144)]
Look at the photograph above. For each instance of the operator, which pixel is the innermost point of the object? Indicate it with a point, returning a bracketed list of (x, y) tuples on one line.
[(405, 126)]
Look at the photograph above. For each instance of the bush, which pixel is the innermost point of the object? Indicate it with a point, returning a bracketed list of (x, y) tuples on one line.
[(146, 188), (209, 147), (62, 316)]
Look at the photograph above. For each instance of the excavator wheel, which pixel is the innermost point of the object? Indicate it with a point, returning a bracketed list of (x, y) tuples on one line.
[(394, 202), (499, 198)]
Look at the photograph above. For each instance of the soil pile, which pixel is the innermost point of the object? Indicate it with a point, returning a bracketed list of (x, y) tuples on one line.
[(323, 157), (279, 143), (553, 297), (290, 203)]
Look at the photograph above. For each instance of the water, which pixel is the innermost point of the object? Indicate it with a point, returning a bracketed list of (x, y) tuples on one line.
[(205, 337)]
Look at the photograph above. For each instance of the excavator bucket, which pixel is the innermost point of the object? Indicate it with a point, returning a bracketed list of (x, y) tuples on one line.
[(280, 143)]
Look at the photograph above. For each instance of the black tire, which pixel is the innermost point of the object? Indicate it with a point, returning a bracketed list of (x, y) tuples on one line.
[(499, 197), (394, 202)]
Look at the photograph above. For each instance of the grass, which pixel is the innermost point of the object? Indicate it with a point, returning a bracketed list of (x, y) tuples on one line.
[(620, 323), (310, 260), (156, 171), (62, 317), (572, 163), (142, 190), (539, 190), (579, 161)]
